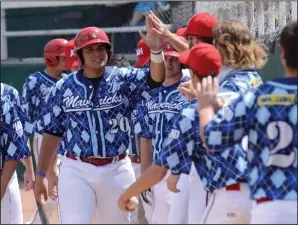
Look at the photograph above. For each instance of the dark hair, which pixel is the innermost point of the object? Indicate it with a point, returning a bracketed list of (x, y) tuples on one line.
[(80, 54), (208, 40), (119, 61), (288, 40)]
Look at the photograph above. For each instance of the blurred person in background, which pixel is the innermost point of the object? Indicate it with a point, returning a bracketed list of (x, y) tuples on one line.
[(14, 147), (35, 90)]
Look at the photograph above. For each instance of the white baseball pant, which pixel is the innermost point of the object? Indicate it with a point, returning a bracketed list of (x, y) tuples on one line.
[(162, 199), (274, 212), (85, 189), (51, 205), (180, 201), (197, 197), (11, 204), (148, 207), (135, 215), (228, 207)]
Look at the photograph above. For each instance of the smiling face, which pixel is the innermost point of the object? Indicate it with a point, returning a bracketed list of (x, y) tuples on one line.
[(173, 67), (95, 56)]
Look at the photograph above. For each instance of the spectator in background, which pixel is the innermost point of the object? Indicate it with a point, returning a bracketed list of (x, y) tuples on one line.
[(140, 11), (143, 8)]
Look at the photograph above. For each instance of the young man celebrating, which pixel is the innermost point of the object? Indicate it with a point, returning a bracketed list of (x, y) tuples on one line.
[(91, 107)]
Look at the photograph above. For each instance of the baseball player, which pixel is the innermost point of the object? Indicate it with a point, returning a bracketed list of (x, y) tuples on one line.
[(198, 30), (160, 113), (91, 107), (13, 148), (35, 89), (11, 96), (238, 74), (268, 116)]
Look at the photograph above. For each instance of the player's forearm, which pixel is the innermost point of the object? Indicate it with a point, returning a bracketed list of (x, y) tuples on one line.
[(177, 42), (146, 153), (151, 177), (49, 146), (206, 115), (9, 168), (53, 165)]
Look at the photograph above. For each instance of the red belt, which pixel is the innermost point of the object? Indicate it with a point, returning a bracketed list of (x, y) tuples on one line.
[(98, 161), (233, 187), (135, 159), (262, 200)]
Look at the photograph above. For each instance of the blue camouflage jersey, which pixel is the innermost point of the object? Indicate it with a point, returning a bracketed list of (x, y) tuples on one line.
[(35, 90), (12, 140), (184, 146), (269, 117), (157, 115), (221, 169), (238, 80), (95, 120), (10, 94), (134, 146)]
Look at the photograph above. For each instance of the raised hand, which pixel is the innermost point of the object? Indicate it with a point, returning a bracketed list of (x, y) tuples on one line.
[(159, 28), (151, 38), (207, 91)]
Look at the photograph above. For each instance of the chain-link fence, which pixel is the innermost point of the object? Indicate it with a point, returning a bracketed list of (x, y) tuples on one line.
[(34, 26), (26, 30)]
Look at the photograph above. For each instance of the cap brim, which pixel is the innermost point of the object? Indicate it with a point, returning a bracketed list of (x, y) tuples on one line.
[(181, 31), (185, 32), (171, 53), (184, 57), (142, 61)]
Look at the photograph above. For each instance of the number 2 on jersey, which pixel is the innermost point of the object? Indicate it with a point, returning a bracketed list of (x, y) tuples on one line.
[(283, 131)]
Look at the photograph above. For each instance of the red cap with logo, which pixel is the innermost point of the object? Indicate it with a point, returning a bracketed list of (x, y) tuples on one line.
[(169, 50), (143, 54), (70, 56), (204, 59), (201, 25)]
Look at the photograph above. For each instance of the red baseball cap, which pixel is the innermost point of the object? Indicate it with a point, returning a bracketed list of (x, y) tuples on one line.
[(181, 31), (70, 57), (200, 24), (204, 59), (143, 54)]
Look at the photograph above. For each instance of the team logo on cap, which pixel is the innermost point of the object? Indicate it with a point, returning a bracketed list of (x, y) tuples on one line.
[(168, 46), (140, 51), (72, 52), (93, 35)]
